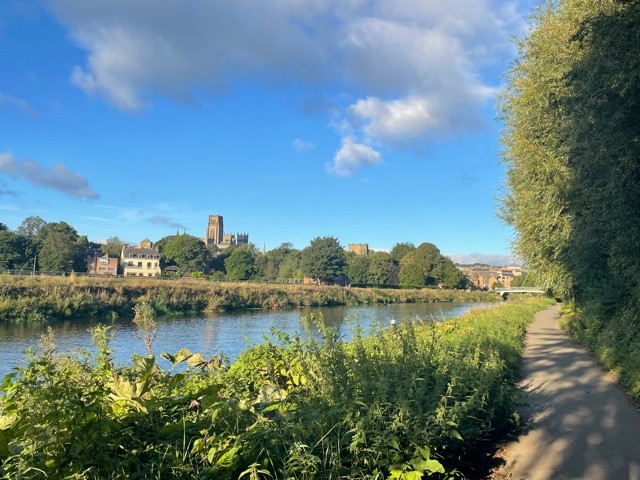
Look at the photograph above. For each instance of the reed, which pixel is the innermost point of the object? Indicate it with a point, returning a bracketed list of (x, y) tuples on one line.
[(36, 299)]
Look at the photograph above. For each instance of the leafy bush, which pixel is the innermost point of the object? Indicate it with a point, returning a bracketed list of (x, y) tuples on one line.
[(398, 402)]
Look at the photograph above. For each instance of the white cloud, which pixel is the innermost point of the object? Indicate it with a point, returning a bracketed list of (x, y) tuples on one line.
[(352, 157), (57, 177), (411, 70), (6, 99), (302, 145)]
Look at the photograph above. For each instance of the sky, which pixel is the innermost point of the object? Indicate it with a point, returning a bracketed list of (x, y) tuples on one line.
[(372, 121)]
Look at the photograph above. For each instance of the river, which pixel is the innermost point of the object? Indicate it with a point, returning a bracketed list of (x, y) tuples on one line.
[(229, 332)]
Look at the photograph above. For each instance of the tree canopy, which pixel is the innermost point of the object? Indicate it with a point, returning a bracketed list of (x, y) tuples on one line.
[(324, 259), (239, 264), (572, 148), (426, 266), (113, 246), (187, 252)]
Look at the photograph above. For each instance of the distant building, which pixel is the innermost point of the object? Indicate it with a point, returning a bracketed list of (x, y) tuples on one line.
[(359, 248), (484, 277), (140, 261), (102, 265), (242, 239), (216, 237), (215, 230)]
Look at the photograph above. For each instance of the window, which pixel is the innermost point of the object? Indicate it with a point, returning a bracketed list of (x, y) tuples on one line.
[(148, 264), (140, 264)]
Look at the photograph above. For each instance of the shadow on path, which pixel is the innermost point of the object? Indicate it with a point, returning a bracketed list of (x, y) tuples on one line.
[(579, 425)]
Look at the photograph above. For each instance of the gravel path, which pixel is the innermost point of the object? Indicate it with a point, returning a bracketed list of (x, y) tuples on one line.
[(579, 425)]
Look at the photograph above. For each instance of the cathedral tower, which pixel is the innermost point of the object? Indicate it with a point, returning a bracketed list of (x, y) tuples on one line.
[(215, 230)]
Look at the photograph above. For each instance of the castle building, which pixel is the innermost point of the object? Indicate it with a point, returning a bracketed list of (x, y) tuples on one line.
[(215, 234), (359, 248), (215, 230)]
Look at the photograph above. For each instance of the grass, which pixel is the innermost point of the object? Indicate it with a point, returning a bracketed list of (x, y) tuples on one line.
[(38, 299)]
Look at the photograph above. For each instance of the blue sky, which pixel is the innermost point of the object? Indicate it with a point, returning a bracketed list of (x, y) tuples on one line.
[(371, 121)]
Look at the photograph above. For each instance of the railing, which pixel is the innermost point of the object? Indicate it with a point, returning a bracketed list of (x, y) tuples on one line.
[(502, 291)]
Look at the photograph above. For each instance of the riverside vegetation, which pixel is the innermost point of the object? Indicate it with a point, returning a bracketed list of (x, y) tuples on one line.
[(38, 299), (573, 169), (400, 402)]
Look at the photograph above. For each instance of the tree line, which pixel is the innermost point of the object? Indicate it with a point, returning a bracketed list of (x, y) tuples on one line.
[(572, 149), (37, 245)]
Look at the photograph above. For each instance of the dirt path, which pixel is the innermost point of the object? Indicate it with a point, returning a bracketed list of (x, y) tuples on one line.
[(579, 425)]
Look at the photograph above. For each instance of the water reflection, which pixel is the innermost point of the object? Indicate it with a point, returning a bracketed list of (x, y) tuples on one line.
[(214, 333)]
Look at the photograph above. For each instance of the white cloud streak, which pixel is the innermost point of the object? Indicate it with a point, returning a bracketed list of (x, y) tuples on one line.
[(300, 145), (413, 71), (22, 105), (57, 177)]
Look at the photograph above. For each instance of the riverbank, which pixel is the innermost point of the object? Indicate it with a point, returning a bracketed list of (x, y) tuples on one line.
[(402, 402), (37, 299)]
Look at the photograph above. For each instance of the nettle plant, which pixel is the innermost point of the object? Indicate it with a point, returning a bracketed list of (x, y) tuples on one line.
[(402, 403)]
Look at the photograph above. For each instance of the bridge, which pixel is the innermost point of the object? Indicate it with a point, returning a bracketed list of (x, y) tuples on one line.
[(504, 292)]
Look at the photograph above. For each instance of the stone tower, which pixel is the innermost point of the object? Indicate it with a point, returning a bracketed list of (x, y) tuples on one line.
[(215, 230)]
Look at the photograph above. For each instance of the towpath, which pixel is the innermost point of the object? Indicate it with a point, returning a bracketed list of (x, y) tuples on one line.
[(579, 425)]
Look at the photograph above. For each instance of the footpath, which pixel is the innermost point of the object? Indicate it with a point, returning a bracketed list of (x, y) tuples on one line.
[(578, 423)]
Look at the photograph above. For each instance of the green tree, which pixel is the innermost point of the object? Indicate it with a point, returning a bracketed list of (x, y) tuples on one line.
[(275, 258), (57, 252), (290, 266), (448, 275), (60, 248), (358, 268), (399, 250), (12, 250), (239, 264), (187, 252), (160, 244), (426, 266), (113, 247), (324, 259), (380, 264), (30, 227)]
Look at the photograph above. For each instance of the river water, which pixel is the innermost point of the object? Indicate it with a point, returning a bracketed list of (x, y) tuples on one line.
[(209, 334)]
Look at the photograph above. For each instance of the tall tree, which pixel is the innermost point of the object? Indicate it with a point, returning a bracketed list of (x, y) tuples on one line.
[(239, 264), (358, 268), (275, 258), (30, 227), (290, 266), (324, 259), (399, 250), (426, 266), (60, 248), (189, 253), (113, 246), (380, 264), (12, 250), (572, 150)]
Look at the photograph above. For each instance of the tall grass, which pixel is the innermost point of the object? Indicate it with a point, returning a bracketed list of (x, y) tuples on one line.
[(35, 299), (403, 402)]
